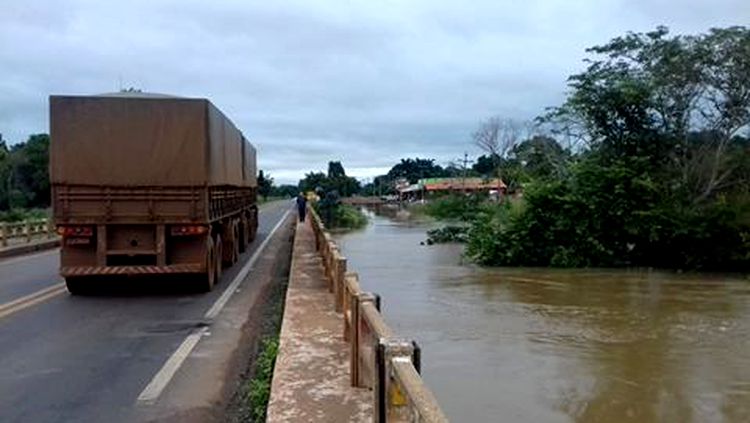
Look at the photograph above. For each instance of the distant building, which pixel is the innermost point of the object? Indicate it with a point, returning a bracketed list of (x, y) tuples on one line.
[(418, 191)]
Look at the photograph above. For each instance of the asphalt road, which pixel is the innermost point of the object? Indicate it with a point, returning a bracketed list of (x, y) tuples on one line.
[(87, 359)]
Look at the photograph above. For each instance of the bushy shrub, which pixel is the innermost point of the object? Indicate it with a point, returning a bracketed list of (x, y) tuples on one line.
[(453, 207)]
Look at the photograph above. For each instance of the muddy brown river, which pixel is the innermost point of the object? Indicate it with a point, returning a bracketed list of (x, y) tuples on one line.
[(541, 345)]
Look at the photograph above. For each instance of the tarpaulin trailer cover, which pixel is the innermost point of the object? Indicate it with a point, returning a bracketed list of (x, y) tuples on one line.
[(144, 140)]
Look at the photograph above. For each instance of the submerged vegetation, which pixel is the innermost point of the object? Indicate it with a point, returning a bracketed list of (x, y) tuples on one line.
[(450, 233), (339, 216)]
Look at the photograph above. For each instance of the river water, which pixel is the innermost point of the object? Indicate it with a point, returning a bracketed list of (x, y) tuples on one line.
[(541, 345)]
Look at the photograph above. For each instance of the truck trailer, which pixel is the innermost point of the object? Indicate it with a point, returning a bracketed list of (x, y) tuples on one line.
[(146, 184)]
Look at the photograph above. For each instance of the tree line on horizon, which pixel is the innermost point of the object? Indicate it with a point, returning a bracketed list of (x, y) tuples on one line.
[(24, 176)]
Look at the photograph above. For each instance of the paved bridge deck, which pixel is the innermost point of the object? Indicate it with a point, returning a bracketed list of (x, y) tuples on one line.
[(311, 378)]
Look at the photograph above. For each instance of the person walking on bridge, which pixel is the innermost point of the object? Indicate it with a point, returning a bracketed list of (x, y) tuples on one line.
[(301, 206)]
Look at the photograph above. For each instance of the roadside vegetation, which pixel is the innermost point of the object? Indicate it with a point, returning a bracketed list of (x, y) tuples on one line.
[(24, 179), (259, 387), (250, 402), (19, 215), (656, 170)]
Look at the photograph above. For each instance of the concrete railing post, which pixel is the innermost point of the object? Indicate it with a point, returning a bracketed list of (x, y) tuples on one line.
[(4, 234), (339, 288), (362, 333), (351, 289), (354, 341), (50, 229), (394, 401), (27, 229)]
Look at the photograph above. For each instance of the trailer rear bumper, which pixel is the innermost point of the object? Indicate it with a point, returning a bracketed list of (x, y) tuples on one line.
[(68, 271)]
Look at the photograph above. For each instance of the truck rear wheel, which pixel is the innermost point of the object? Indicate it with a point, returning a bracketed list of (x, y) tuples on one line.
[(236, 242), (77, 285), (244, 234), (218, 253), (231, 244), (208, 279), (253, 231)]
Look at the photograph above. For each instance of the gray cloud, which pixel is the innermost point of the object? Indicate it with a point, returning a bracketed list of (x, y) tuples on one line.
[(362, 82)]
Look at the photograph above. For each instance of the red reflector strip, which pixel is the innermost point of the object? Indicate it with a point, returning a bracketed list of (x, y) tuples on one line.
[(85, 231), (188, 230)]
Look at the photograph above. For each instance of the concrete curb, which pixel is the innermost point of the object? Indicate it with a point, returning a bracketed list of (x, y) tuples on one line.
[(19, 250)]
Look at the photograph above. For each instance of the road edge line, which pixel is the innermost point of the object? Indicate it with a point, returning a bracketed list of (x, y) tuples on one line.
[(153, 390), (159, 382), (232, 288)]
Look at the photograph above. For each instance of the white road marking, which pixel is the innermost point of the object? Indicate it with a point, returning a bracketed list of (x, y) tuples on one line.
[(162, 378), (159, 382), (31, 299), (27, 257)]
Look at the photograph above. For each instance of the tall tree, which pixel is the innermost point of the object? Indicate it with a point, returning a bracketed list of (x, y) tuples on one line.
[(314, 181), (541, 157), (645, 94), (497, 136), (344, 185), (265, 184), (415, 169)]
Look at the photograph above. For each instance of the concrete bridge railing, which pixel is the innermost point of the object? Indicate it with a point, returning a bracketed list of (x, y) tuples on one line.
[(26, 231), (379, 360)]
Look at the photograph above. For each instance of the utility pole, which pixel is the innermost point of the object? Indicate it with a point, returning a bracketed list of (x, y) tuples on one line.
[(464, 171)]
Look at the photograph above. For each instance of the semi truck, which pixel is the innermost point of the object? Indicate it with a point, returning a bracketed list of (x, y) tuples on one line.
[(146, 185)]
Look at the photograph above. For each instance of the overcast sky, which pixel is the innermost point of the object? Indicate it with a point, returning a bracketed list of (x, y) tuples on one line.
[(364, 82)]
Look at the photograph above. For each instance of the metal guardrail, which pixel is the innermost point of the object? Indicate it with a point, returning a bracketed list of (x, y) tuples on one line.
[(379, 360), (26, 231)]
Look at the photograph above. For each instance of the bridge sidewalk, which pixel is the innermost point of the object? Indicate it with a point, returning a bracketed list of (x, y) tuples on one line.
[(311, 377)]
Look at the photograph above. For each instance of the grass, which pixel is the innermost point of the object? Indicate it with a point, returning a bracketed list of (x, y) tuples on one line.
[(259, 387)]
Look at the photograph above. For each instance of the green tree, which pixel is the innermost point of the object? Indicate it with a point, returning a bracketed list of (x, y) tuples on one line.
[(541, 157), (24, 174), (344, 185), (265, 184), (485, 165), (5, 175), (415, 169), (664, 175), (285, 191), (314, 181)]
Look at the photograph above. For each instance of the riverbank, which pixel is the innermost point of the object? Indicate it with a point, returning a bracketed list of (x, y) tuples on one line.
[(342, 217)]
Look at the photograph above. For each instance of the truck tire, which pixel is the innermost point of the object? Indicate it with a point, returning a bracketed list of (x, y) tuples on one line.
[(253, 225), (236, 242), (77, 285), (218, 254), (231, 244), (244, 234), (208, 280)]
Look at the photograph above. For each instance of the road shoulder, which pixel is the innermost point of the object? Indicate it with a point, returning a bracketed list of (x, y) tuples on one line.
[(203, 387)]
